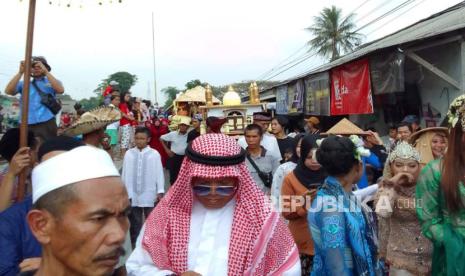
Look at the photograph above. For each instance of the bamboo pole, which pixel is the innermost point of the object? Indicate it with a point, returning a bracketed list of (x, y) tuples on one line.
[(25, 93)]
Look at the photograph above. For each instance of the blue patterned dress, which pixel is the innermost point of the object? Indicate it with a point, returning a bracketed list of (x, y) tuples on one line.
[(345, 244)]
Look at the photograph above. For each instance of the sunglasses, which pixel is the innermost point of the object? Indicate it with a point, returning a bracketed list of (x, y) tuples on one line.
[(204, 190)]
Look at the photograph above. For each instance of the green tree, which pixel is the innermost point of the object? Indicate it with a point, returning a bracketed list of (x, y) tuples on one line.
[(193, 84), (170, 93), (333, 34), (125, 82), (91, 103)]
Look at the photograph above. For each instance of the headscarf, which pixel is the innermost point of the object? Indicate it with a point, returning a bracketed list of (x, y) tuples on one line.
[(308, 177), (295, 157), (260, 243)]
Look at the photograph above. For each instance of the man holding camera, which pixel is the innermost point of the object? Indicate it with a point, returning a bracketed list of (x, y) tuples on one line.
[(42, 108)]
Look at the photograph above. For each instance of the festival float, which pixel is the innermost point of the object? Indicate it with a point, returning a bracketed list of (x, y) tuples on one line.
[(237, 114), (188, 103)]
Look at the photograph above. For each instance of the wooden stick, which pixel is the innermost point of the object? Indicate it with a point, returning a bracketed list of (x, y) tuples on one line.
[(25, 93)]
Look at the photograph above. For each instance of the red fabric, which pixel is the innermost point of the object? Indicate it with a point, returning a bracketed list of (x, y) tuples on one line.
[(107, 90), (260, 244), (125, 109), (351, 89), (155, 143)]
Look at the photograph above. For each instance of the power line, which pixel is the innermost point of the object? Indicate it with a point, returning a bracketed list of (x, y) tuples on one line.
[(394, 18), (279, 73), (405, 3), (354, 10), (305, 55), (277, 66), (371, 12), (303, 58)]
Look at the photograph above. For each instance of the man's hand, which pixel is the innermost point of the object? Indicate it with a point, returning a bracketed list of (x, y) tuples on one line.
[(30, 264), (170, 153), (190, 273), (41, 66), (21, 67), (159, 197), (20, 160)]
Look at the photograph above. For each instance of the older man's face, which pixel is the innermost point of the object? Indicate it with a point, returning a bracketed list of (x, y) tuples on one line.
[(89, 235)]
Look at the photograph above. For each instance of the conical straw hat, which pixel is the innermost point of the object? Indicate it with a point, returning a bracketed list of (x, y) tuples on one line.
[(93, 120), (345, 127)]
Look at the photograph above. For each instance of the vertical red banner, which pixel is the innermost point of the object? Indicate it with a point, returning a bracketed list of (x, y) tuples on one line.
[(351, 89)]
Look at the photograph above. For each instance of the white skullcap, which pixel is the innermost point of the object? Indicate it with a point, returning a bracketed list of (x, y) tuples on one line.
[(79, 164)]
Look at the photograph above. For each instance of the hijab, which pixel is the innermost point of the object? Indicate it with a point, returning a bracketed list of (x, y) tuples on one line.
[(309, 178)]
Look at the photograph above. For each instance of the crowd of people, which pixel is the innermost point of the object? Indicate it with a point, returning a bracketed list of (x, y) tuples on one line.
[(278, 200)]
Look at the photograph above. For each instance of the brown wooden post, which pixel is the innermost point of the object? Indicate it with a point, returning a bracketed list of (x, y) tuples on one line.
[(25, 92)]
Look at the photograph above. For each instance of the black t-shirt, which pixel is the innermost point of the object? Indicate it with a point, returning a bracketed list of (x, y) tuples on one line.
[(192, 135), (284, 145)]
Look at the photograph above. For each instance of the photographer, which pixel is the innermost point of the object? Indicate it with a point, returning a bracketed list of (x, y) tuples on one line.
[(41, 115)]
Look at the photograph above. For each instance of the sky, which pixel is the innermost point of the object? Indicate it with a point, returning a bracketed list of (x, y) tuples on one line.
[(216, 41)]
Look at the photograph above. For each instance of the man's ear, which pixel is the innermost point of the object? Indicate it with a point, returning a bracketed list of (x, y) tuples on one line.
[(41, 224)]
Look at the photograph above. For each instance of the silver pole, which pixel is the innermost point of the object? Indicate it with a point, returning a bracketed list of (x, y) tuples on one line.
[(154, 66)]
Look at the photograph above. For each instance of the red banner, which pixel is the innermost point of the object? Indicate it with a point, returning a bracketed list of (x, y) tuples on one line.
[(351, 89)]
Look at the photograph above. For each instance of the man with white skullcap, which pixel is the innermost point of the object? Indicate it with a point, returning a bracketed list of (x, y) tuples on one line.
[(79, 213)]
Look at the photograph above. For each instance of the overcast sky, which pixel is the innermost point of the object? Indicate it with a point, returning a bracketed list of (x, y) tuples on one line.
[(216, 41)]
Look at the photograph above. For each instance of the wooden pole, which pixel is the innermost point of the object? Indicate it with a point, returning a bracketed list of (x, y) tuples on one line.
[(25, 93)]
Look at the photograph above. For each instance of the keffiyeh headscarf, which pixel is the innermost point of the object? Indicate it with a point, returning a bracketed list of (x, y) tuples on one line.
[(260, 244)]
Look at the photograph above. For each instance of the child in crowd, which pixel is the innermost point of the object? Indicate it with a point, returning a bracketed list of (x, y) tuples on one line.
[(144, 180)]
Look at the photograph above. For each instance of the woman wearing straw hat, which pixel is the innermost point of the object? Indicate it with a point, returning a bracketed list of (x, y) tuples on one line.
[(431, 143)]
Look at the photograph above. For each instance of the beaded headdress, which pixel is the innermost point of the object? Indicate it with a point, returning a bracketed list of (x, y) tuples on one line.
[(456, 112), (404, 150)]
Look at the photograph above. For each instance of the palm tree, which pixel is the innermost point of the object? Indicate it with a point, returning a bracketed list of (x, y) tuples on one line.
[(334, 35)]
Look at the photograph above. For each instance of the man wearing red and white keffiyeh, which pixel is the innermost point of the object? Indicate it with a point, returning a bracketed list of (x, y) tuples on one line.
[(214, 221)]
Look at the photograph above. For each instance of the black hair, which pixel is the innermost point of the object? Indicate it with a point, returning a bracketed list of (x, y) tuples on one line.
[(295, 143), (9, 144), (337, 155), (405, 124), (283, 121), (55, 201), (392, 127), (372, 129), (143, 130), (62, 143), (253, 127), (112, 97)]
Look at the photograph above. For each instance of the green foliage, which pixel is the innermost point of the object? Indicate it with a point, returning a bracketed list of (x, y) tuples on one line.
[(170, 93), (92, 102), (193, 84), (333, 34), (125, 82)]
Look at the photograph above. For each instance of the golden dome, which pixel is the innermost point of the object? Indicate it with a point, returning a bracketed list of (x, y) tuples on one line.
[(231, 97)]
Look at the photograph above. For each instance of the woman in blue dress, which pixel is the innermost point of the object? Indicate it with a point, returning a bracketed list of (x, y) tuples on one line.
[(342, 230)]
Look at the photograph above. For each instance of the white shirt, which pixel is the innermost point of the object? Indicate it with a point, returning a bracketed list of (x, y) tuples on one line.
[(269, 142), (114, 125), (143, 176), (278, 178), (178, 141), (208, 248)]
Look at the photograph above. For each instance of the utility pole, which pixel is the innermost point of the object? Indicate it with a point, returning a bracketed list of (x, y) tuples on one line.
[(154, 64)]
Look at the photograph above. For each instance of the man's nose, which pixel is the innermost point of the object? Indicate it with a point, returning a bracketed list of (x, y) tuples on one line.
[(118, 230)]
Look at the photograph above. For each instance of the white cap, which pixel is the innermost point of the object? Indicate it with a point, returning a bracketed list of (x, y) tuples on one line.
[(79, 164)]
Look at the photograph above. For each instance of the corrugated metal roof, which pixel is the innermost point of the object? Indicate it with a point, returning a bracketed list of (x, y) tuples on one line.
[(443, 22)]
